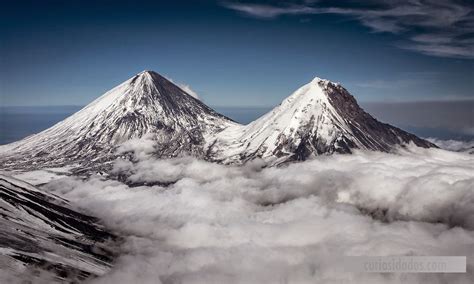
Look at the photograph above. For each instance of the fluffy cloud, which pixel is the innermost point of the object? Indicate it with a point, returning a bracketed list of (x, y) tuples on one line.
[(188, 90), (454, 145), (140, 148), (250, 224), (437, 28)]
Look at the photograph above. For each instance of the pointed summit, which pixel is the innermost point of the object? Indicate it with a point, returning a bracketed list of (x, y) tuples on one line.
[(319, 80), (148, 73)]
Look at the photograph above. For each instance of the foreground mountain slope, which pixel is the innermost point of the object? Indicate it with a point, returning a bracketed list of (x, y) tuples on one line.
[(146, 103), (321, 117), (41, 237)]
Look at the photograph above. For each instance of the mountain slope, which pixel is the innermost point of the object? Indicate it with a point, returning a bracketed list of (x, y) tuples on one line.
[(146, 103), (321, 117), (40, 236)]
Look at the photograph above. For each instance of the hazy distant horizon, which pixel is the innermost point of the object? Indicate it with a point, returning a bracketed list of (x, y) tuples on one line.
[(438, 119)]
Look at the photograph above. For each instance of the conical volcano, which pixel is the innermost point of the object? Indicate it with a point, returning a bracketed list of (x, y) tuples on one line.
[(320, 117), (147, 103)]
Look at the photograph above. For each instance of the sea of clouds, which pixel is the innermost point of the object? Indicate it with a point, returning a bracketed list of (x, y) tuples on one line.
[(200, 222), (454, 145)]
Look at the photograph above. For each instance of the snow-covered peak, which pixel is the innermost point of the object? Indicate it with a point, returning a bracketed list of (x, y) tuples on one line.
[(146, 75), (325, 82), (320, 117), (147, 103), (148, 72), (318, 79), (146, 88), (309, 93)]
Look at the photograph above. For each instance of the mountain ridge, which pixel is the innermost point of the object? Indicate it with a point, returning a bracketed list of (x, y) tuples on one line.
[(320, 117)]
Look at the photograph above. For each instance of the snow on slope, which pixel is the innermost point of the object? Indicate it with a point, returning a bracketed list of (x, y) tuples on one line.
[(41, 237), (321, 117)]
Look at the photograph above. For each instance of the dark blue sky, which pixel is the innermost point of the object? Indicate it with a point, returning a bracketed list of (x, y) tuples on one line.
[(237, 53)]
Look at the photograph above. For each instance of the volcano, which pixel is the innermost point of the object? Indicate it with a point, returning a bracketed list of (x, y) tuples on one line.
[(147, 103), (319, 118)]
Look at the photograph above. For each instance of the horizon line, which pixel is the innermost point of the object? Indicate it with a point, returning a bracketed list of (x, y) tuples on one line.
[(470, 100)]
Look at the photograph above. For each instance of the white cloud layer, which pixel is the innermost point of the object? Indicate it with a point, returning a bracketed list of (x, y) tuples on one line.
[(227, 224)]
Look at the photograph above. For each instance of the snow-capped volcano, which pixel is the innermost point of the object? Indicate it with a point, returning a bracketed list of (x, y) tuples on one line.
[(146, 103), (321, 117)]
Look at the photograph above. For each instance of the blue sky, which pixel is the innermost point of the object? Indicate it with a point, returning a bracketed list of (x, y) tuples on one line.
[(237, 53)]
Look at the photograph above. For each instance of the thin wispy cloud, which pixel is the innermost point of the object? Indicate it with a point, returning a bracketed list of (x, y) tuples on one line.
[(186, 88), (406, 80), (386, 84), (267, 11), (436, 28)]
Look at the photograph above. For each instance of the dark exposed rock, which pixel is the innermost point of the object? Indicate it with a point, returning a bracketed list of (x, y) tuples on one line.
[(372, 133)]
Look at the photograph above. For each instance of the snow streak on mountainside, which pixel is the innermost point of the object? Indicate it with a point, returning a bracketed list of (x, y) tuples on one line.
[(146, 103), (41, 237), (319, 118)]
